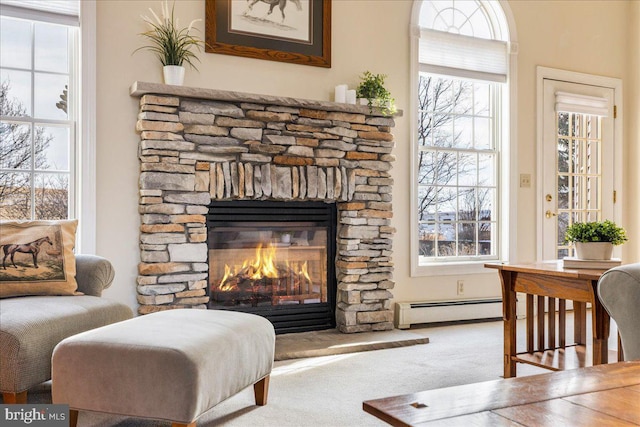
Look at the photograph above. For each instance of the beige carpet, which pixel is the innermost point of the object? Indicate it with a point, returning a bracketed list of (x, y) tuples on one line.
[(332, 341), (328, 391)]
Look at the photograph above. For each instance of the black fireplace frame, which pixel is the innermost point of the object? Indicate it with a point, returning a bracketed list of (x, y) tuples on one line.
[(287, 318)]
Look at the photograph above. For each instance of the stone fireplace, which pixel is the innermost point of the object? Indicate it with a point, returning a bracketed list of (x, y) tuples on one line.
[(202, 146)]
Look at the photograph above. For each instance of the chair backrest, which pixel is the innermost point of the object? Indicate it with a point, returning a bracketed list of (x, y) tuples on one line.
[(619, 292)]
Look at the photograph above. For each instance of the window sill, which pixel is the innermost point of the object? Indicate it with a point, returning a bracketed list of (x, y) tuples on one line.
[(452, 268)]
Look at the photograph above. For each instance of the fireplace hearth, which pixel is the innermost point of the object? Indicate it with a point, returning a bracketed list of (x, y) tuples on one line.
[(275, 259), (203, 149)]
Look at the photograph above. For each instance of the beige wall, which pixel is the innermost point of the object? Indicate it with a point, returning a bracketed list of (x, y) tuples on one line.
[(585, 37), (367, 35), (632, 130)]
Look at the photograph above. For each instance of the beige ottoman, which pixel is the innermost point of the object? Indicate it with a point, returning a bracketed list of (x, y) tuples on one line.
[(173, 365)]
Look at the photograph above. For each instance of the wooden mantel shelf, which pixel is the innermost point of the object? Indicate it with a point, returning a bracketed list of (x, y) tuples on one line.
[(139, 89)]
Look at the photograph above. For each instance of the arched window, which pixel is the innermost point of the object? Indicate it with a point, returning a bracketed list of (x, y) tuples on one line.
[(461, 136)]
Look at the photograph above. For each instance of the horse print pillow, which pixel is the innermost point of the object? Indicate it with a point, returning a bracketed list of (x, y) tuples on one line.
[(37, 258)]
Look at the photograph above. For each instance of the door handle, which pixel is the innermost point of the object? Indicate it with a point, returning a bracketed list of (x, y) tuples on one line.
[(549, 214)]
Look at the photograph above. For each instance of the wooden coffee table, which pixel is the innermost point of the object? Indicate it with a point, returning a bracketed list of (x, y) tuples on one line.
[(603, 395), (546, 342)]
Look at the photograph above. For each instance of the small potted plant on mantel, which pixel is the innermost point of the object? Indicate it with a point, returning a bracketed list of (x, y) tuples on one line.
[(171, 44), (595, 240), (372, 91)]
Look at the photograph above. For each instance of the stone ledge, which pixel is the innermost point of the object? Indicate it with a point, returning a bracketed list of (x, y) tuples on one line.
[(139, 89)]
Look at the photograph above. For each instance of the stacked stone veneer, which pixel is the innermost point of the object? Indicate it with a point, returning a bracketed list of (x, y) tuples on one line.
[(228, 146)]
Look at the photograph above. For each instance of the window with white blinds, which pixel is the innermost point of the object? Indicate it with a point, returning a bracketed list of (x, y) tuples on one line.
[(65, 12), (463, 56), (582, 104), (39, 78)]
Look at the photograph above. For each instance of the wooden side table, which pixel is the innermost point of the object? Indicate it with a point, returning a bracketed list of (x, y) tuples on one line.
[(550, 282)]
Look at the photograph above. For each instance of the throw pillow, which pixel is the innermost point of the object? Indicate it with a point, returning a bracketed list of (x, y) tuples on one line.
[(37, 258)]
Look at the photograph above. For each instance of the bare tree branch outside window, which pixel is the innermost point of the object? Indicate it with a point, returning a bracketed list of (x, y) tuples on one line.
[(456, 161), (22, 152)]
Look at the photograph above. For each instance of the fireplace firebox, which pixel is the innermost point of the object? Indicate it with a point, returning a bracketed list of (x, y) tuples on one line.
[(274, 259)]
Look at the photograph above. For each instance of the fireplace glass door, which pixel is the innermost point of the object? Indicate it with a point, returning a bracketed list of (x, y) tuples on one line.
[(268, 264), (274, 259)]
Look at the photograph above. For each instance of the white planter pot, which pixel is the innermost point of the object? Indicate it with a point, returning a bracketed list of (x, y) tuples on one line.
[(173, 74), (594, 250)]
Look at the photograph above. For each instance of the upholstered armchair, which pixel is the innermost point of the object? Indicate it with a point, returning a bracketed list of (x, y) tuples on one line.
[(619, 291), (31, 326)]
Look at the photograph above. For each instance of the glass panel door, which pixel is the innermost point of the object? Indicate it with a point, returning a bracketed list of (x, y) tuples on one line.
[(577, 167)]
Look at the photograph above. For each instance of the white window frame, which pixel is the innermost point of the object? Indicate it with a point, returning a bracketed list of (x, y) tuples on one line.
[(86, 155), (496, 101), (507, 172), (35, 20), (83, 186)]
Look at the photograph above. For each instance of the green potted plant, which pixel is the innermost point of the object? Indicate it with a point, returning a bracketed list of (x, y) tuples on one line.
[(595, 240), (170, 43), (371, 89)]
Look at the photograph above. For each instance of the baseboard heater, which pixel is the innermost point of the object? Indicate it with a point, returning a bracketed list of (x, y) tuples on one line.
[(412, 313)]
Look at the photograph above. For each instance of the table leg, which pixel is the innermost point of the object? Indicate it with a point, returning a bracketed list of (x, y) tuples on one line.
[(601, 326), (509, 302), (580, 322), (562, 323)]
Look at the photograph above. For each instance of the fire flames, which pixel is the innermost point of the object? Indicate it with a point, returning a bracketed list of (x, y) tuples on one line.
[(264, 265)]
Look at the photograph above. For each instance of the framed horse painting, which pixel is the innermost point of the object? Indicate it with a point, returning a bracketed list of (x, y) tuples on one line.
[(297, 31)]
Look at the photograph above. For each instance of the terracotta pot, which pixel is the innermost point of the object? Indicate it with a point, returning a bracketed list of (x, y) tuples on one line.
[(594, 250)]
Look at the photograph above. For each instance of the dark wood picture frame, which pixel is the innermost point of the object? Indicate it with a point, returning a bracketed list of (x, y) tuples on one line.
[(220, 40)]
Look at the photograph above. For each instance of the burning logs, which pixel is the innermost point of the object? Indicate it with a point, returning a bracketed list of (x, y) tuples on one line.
[(255, 284), (248, 278)]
